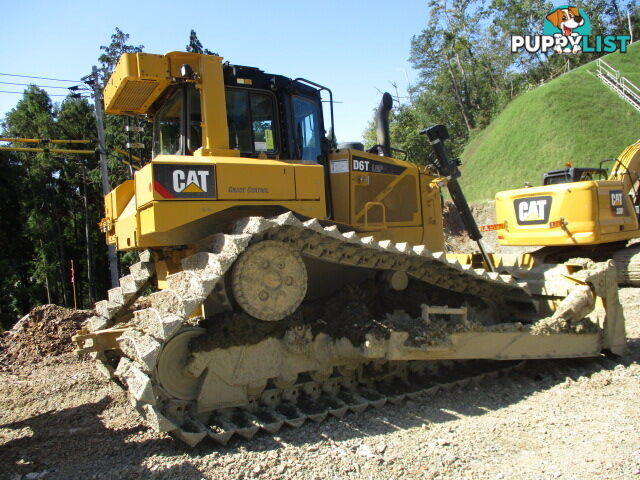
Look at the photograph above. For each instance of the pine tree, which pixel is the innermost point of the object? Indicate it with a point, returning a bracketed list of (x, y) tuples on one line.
[(195, 45)]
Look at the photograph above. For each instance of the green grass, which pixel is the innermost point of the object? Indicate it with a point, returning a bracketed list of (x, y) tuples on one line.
[(573, 118)]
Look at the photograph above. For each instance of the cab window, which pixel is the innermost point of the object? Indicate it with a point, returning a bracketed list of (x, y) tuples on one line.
[(195, 119), (173, 134), (167, 126), (307, 128), (251, 120)]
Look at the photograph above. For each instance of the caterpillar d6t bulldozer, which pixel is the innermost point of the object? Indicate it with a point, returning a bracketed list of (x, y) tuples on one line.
[(575, 214), (295, 278)]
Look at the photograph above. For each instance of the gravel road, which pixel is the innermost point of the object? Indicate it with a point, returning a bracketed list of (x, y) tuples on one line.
[(571, 420)]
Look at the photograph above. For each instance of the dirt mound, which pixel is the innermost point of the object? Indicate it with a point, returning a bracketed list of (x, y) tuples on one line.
[(456, 238), (45, 332), (453, 225)]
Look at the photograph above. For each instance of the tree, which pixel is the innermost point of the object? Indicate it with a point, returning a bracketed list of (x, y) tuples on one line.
[(76, 121), (16, 290), (41, 211), (113, 51), (195, 46)]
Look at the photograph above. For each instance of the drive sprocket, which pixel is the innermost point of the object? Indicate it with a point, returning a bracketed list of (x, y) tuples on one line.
[(269, 280)]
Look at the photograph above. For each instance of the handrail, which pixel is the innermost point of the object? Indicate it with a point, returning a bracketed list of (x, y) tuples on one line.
[(625, 87)]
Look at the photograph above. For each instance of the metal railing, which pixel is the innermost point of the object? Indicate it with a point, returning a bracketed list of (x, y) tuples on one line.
[(621, 85)]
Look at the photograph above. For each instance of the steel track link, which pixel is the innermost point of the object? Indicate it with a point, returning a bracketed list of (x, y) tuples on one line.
[(627, 261), (245, 422), (150, 329)]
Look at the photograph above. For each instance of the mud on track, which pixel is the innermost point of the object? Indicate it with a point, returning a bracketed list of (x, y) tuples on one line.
[(60, 419)]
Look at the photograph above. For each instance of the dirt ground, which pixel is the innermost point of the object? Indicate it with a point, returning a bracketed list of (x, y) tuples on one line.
[(59, 419), (457, 239)]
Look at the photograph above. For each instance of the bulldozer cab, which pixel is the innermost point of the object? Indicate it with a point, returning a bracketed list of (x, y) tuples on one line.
[(267, 116), (234, 141)]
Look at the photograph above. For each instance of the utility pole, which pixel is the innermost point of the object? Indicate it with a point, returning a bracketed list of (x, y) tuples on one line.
[(97, 98), (87, 236)]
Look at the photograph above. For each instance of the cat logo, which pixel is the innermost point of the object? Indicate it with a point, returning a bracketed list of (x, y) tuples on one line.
[(184, 181), (532, 210), (616, 200), (191, 181)]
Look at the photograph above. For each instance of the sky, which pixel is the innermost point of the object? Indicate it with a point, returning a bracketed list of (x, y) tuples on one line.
[(355, 48)]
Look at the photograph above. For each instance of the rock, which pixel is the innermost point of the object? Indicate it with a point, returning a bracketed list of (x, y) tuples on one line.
[(365, 451), (35, 475)]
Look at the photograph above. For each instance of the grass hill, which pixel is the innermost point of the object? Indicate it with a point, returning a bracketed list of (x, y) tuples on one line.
[(574, 117)]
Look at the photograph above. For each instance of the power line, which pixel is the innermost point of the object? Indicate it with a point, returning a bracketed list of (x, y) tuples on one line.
[(40, 78), (39, 86), (43, 93)]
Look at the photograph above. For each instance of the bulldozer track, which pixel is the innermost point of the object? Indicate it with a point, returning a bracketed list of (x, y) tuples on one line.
[(312, 396)]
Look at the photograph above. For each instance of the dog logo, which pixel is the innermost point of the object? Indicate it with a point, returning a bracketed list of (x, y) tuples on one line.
[(567, 31), (565, 21)]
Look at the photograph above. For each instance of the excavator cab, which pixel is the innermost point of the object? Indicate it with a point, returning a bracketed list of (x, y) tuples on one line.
[(573, 174)]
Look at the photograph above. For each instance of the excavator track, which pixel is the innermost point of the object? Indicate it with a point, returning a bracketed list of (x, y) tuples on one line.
[(165, 362), (627, 261)]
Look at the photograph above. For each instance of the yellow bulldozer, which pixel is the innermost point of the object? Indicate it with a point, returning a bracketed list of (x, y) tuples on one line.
[(578, 212), (295, 278)]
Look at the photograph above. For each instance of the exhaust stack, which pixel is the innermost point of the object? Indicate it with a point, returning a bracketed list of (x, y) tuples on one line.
[(382, 124)]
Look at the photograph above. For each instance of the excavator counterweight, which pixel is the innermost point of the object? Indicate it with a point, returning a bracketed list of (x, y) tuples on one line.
[(575, 214)]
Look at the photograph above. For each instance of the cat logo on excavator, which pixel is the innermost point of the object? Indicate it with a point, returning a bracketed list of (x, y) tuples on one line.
[(617, 203), (532, 210)]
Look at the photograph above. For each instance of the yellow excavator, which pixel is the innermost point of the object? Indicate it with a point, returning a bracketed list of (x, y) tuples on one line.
[(295, 278), (578, 212)]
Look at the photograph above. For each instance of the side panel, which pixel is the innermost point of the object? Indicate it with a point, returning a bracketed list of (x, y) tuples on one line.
[(239, 181), (309, 180), (528, 212), (181, 199), (383, 197), (616, 212), (384, 192), (433, 232)]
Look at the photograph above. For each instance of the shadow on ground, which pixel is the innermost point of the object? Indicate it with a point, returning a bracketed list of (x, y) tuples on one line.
[(472, 400), (74, 442)]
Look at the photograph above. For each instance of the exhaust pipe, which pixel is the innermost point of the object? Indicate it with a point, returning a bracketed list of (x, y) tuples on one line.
[(382, 123)]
